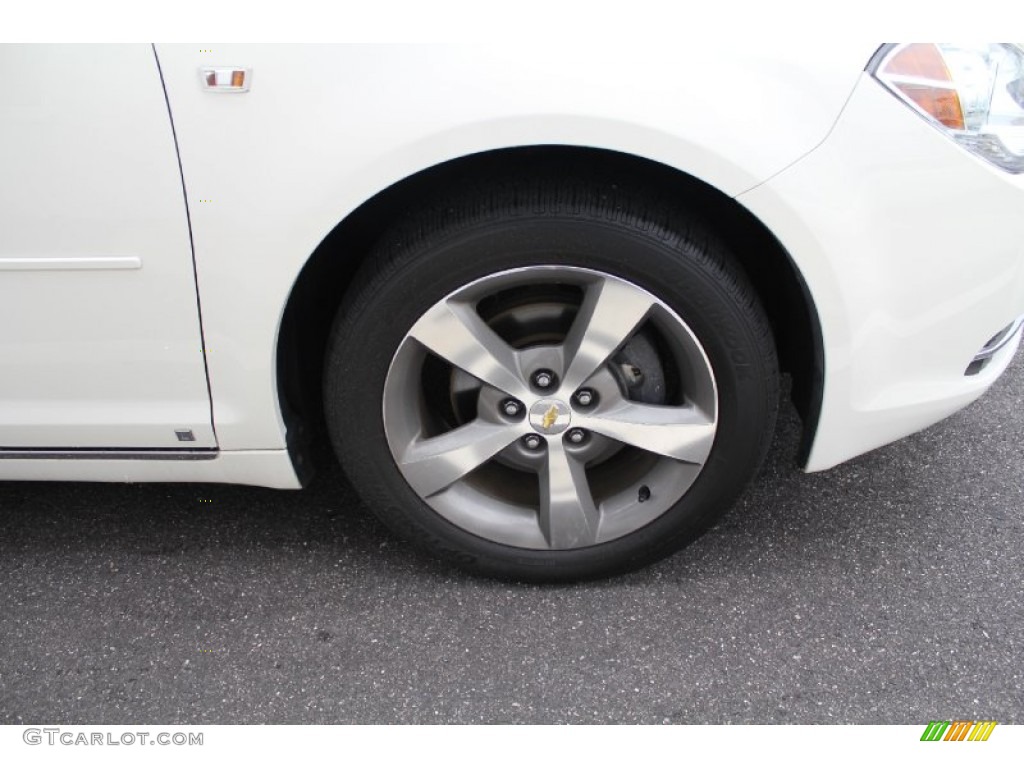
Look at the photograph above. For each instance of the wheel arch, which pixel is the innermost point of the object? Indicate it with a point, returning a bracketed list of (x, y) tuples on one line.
[(328, 272)]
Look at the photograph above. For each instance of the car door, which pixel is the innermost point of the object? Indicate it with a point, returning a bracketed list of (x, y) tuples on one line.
[(100, 339)]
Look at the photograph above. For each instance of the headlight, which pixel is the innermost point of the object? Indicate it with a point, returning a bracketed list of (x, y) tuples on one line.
[(975, 93)]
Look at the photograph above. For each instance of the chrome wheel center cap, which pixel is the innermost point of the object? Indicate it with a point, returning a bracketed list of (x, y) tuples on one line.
[(549, 417)]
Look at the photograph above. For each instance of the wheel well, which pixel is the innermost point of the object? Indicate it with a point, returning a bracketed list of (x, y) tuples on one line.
[(322, 283)]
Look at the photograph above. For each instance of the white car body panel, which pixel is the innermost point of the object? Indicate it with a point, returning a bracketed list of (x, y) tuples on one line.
[(326, 128), (100, 344), (868, 199), (913, 250)]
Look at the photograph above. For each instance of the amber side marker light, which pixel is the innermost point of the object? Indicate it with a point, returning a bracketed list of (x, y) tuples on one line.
[(920, 73), (226, 79)]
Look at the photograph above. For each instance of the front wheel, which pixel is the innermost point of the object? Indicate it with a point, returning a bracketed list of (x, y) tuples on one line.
[(550, 391)]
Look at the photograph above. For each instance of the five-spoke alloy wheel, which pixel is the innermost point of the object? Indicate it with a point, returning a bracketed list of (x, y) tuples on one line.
[(550, 391), (485, 420)]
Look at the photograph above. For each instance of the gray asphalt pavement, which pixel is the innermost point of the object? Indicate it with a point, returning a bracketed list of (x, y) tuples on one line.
[(888, 590)]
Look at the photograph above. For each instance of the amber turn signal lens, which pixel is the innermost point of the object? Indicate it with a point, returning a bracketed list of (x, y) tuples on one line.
[(921, 74), (237, 78)]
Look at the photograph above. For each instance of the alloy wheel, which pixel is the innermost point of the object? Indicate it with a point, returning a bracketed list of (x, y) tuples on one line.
[(550, 407)]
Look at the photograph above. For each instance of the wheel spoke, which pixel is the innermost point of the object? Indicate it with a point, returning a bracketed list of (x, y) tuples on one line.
[(568, 516), (682, 433), (611, 311), (456, 332), (433, 464)]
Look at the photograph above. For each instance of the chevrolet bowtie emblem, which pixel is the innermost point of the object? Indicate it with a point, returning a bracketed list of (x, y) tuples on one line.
[(549, 416)]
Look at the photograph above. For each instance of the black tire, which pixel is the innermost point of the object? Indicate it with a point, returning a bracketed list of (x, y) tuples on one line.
[(518, 224)]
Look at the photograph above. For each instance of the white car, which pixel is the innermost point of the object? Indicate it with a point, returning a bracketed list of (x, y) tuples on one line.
[(539, 299)]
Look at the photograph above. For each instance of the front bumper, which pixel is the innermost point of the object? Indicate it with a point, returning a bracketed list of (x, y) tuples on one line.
[(913, 253)]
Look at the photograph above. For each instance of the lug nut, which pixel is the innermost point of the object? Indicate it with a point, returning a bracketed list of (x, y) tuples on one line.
[(532, 442), (585, 397), (543, 379), (576, 436), (511, 408)]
